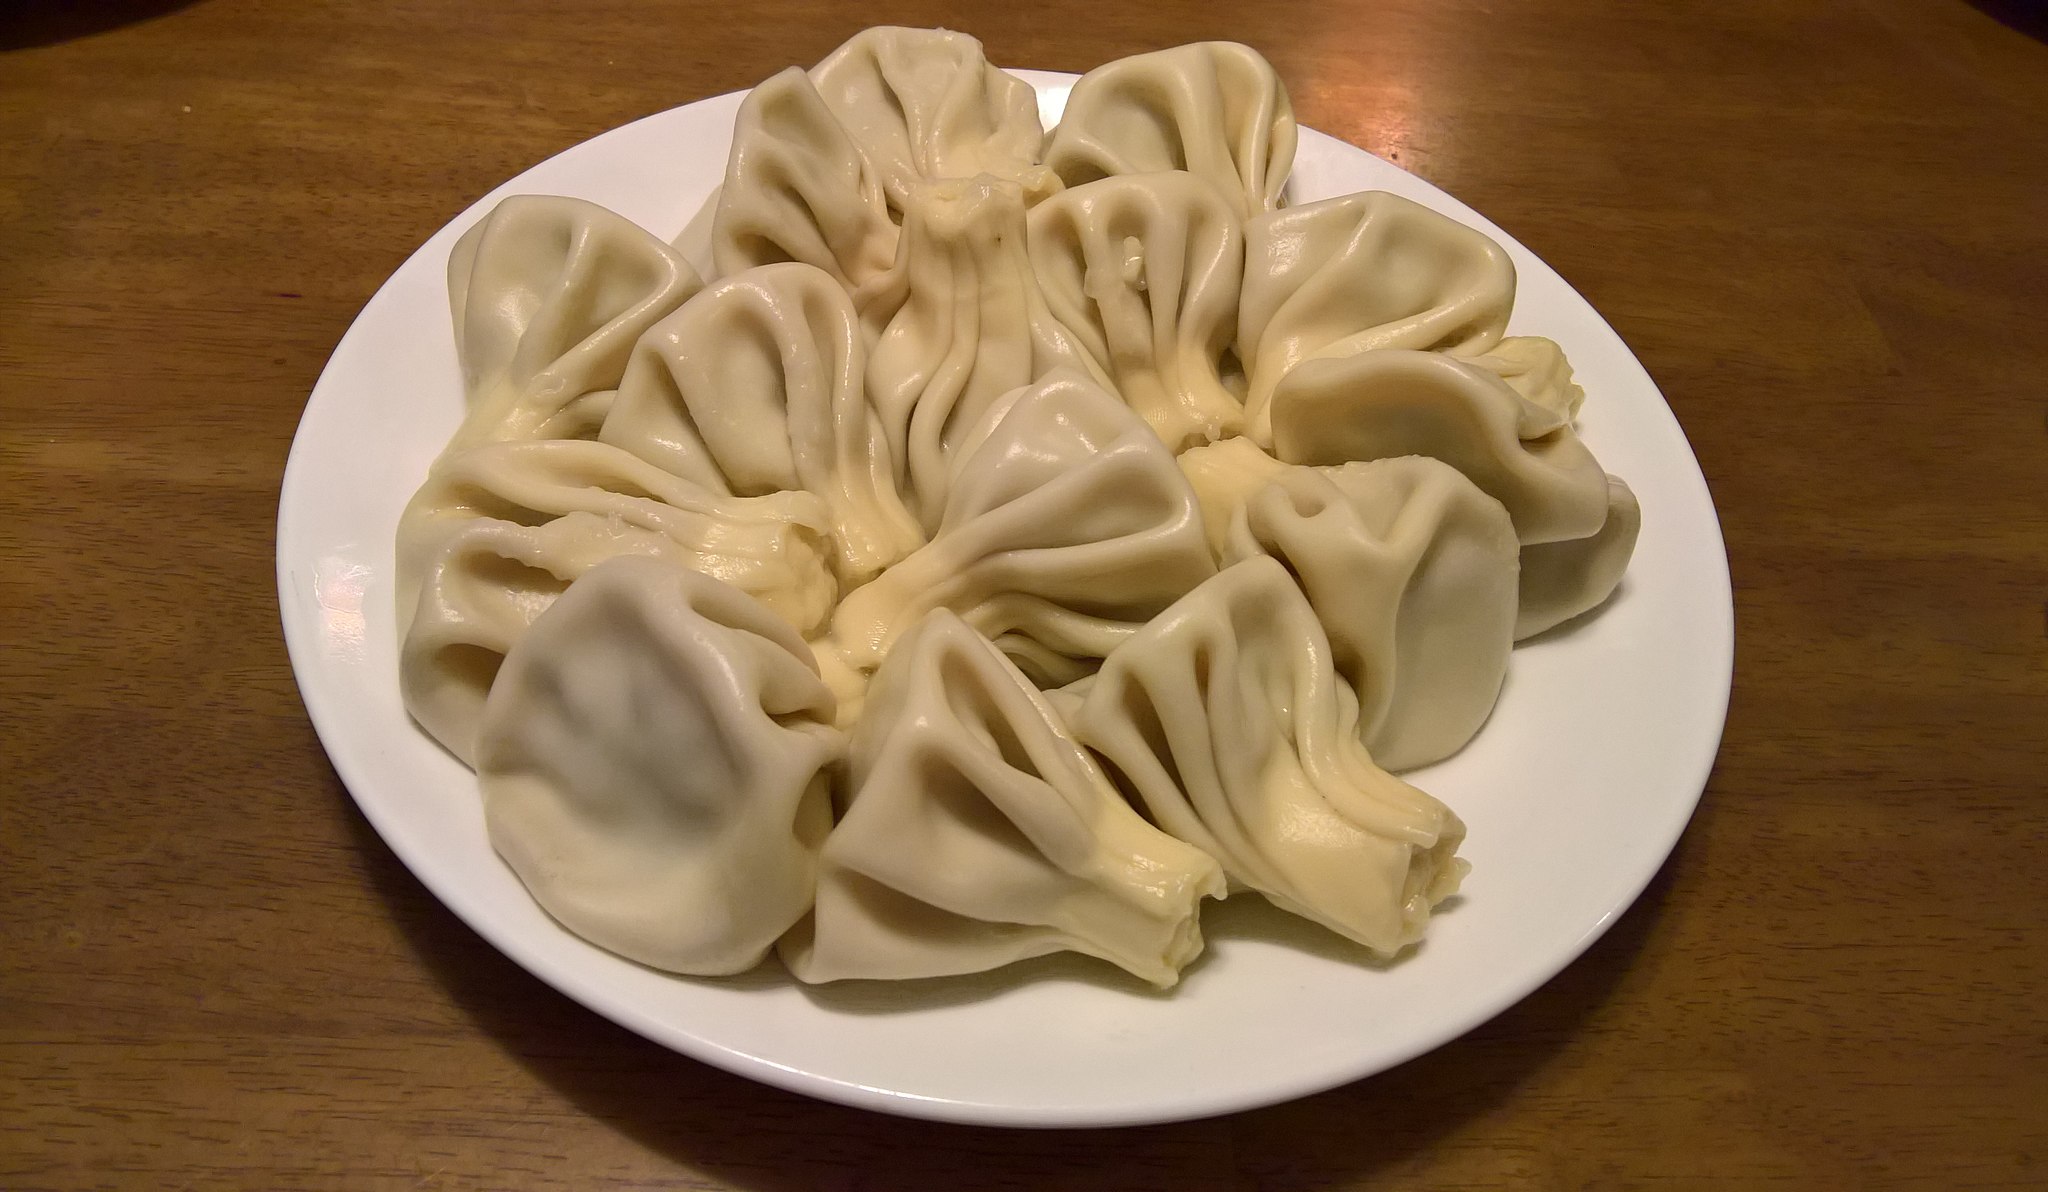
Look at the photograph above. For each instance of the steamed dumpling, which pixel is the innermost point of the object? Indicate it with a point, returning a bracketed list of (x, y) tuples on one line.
[(797, 189), (1144, 269), (757, 385), (1561, 580), (548, 296), (955, 325), (1215, 109), (654, 761), (924, 104), (978, 833), (1067, 527), (1411, 570), (1361, 272), (1376, 405), (1226, 720), (499, 531)]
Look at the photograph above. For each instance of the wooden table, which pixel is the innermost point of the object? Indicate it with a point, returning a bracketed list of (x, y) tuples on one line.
[(1819, 224)]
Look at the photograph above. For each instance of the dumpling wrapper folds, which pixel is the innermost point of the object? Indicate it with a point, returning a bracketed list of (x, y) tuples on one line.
[(957, 323), (1559, 580), (1358, 273), (978, 834), (1225, 720), (1067, 527), (1144, 270), (1393, 402), (1215, 109), (1411, 570), (912, 105), (548, 296), (498, 531), (924, 104), (758, 385), (655, 766), (796, 189)]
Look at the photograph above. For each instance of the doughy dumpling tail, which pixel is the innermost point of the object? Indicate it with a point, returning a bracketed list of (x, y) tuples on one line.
[(1536, 368), (1225, 720), (1067, 526), (921, 104), (757, 386), (654, 761), (1358, 273), (1561, 580), (548, 296), (1377, 405), (796, 189), (978, 833), (1412, 572), (1144, 269), (1215, 109)]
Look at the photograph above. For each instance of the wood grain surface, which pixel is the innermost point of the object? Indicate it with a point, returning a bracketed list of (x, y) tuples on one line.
[(1819, 223)]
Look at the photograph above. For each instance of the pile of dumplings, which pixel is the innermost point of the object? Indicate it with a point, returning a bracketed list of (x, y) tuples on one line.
[(968, 543)]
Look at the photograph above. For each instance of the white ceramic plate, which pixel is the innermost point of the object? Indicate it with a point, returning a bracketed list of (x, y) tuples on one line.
[(1574, 793)]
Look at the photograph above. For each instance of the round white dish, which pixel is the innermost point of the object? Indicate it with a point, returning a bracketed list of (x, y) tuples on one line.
[(1574, 793)]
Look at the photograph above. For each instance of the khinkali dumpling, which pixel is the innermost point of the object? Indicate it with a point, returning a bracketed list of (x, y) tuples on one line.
[(922, 104), (757, 385), (1068, 526), (1560, 580), (1375, 405), (956, 324), (1144, 269), (796, 189), (1364, 271), (654, 761), (548, 296), (1225, 718), (499, 531), (1223, 476), (1411, 570), (1215, 109), (978, 833)]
